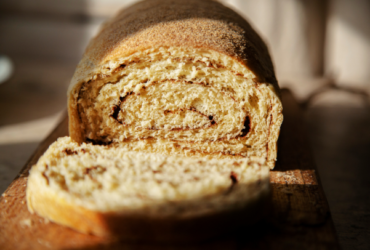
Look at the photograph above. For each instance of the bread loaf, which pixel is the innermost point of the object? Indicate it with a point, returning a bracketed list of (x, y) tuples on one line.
[(162, 81), (112, 192), (185, 77)]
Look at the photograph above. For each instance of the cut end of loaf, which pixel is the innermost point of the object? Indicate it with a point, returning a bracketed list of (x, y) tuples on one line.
[(178, 100)]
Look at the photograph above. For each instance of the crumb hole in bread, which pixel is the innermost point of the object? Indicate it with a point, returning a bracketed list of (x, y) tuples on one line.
[(116, 109), (211, 119), (247, 127), (97, 142)]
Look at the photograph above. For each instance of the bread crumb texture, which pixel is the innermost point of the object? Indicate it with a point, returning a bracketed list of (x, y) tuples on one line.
[(107, 179)]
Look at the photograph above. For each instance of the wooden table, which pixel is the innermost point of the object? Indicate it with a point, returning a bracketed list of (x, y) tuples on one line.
[(300, 217)]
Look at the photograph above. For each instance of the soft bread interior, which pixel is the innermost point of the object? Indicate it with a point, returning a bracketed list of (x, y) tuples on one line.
[(104, 179), (180, 100)]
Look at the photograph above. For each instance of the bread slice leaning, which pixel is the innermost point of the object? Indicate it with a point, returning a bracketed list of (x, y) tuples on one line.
[(132, 195)]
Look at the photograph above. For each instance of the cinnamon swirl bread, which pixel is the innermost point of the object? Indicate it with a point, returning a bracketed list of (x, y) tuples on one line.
[(188, 77)]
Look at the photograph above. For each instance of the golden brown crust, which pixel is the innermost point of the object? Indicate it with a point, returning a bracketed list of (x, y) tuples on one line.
[(178, 23)]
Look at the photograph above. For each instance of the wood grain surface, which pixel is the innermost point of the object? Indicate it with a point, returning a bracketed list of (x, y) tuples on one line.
[(300, 217)]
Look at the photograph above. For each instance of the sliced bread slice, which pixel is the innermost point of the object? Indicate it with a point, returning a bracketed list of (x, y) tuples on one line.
[(108, 191)]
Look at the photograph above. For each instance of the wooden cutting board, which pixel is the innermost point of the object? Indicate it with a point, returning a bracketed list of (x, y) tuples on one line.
[(300, 217)]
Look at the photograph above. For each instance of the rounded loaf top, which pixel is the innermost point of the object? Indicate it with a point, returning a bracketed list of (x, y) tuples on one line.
[(178, 23)]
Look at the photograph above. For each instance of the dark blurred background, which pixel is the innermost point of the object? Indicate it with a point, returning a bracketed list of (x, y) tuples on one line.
[(321, 51)]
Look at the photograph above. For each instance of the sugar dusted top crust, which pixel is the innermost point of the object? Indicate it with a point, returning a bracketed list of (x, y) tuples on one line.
[(197, 24)]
